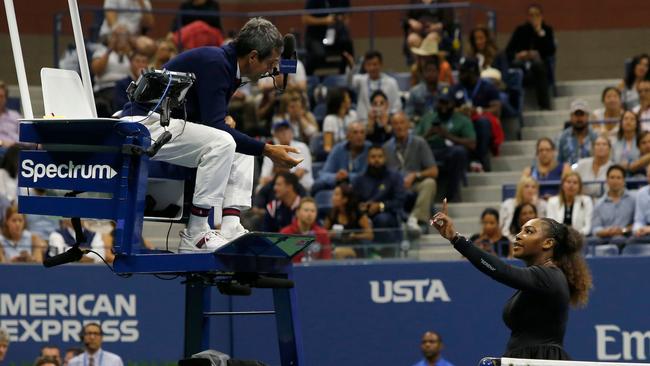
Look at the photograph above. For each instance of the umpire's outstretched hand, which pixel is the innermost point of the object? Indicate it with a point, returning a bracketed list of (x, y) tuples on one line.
[(279, 154)]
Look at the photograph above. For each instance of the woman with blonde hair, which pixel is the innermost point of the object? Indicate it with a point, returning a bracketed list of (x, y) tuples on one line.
[(570, 206), (527, 192), (594, 168)]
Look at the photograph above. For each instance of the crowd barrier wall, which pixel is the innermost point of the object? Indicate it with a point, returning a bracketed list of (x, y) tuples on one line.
[(357, 313)]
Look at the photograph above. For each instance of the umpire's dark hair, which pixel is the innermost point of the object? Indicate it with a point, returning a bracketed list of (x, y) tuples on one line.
[(567, 255), (258, 34), (373, 54), (616, 167), (290, 179)]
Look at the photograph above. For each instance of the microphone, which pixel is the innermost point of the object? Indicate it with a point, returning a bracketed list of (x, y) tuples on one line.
[(73, 254), (160, 141), (288, 53)]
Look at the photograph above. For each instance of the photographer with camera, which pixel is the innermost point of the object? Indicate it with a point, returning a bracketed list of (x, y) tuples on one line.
[(222, 155)]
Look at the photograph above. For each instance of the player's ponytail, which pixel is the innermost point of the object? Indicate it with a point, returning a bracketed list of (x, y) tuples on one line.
[(567, 255)]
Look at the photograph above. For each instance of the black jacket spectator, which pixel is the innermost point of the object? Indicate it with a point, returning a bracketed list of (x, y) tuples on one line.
[(524, 38), (207, 6)]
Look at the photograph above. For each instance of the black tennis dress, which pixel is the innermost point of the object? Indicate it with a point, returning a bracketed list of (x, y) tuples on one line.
[(537, 313)]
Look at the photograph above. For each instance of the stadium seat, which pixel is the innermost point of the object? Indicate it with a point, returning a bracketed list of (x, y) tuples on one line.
[(324, 202), (14, 103), (316, 166), (636, 249), (336, 81), (608, 250), (59, 88), (403, 80), (320, 111)]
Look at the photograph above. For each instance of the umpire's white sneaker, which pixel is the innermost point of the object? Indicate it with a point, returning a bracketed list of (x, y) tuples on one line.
[(206, 241), (235, 233)]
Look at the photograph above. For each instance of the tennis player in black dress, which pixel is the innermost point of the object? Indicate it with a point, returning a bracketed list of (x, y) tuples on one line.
[(556, 276)]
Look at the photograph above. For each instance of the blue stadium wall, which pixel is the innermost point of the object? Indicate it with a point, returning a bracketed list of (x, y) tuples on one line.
[(362, 314)]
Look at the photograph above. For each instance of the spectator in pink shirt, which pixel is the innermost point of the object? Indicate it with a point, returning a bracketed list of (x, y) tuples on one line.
[(8, 120)]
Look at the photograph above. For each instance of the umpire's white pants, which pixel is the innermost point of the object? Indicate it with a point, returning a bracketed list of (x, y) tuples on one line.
[(212, 152)]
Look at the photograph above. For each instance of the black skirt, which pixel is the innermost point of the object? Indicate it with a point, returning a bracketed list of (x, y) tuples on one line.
[(539, 352)]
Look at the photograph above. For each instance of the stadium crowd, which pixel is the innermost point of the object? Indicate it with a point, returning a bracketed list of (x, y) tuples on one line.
[(380, 148)]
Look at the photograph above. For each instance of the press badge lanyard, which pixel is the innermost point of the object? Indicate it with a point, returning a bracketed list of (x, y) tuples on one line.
[(474, 92), (370, 90), (99, 363)]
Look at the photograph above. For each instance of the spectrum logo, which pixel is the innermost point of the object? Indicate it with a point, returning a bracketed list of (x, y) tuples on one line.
[(35, 172)]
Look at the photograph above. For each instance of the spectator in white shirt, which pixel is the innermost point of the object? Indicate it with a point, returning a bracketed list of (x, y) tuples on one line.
[(339, 116), (606, 119), (594, 168), (283, 135), (135, 21), (94, 355), (571, 207), (365, 84)]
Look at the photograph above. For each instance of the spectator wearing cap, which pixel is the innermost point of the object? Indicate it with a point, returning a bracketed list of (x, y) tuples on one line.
[(381, 194), (4, 343), (374, 79), (480, 100), (281, 211), (422, 97), (283, 135), (532, 48), (428, 50), (346, 161), (643, 109), (576, 140), (8, 120), (410, 155), (451, 136)]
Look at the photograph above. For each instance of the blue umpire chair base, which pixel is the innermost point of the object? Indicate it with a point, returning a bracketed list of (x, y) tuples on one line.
[(110, 157)]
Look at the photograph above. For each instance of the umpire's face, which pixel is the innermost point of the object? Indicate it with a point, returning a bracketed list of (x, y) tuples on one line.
[(258, 67)]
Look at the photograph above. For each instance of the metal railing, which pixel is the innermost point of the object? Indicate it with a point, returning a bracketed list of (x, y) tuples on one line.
[(466, 21), (508, 190)]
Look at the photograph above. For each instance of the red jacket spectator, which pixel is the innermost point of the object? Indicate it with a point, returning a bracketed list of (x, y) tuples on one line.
[(322, 238), (197, 34)]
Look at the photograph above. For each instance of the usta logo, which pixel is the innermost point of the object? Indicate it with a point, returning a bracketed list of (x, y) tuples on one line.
[(401, 291)]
